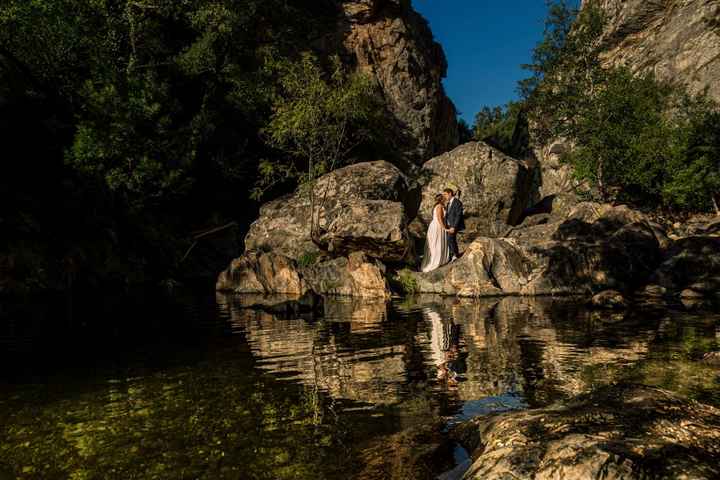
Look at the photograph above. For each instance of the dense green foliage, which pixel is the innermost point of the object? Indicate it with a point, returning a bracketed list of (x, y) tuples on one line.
[(496, 126), (316, 121), (140, 123), (465, 133), (649, 142), (636, 137)]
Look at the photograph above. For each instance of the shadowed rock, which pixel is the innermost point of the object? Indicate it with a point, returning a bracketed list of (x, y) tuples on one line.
[(691, 268)]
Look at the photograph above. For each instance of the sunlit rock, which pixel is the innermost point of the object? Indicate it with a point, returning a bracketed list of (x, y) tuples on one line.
[(616, 432), (262, 273), (495, 187), (393, 45), (365, 206), (597, 247)]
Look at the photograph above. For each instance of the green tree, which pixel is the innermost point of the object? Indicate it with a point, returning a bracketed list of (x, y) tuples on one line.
[(143, 116), (624, 139), (465, 133), (693, 177), (566, 68), (635, 136), (496, 125), (317, 120)]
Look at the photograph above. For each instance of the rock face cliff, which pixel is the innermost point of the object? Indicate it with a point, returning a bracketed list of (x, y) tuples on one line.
[(676, 39), (394, 45)]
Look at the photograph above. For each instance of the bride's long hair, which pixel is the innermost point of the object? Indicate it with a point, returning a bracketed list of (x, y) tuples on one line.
[(439, 200)]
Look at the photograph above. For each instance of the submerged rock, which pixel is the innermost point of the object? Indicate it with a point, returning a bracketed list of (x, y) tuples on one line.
[(617, 432), (365, 206), (712, 358), (609, 299), (417, 453), (280, 304), (653, 291)]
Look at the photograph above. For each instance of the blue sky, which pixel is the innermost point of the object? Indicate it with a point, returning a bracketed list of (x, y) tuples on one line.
[(485, 42)]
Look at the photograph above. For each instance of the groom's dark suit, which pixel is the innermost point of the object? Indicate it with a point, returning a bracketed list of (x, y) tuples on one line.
[(454, 218)]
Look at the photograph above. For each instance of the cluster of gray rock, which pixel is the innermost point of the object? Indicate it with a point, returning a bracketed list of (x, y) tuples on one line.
[(371, 220)]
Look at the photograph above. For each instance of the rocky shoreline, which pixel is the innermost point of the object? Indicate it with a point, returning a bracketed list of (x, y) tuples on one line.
[(372, 218), (622, 431), (525, 237)]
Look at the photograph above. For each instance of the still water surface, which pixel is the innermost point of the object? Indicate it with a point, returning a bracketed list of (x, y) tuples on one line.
[(208, 389)]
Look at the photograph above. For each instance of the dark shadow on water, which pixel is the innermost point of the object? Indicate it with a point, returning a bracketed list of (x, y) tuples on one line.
[(205, 384)]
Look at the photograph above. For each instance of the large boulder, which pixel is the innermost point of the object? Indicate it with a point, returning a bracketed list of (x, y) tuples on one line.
[(356, 276), (617, 432), (393, 44), (489, 267), (271, 274), (553, 177), (262, 273), (495, 187), (598, 247), (364, 206)]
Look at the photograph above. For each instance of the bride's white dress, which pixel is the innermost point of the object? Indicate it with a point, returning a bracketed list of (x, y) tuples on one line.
[(437, 252)]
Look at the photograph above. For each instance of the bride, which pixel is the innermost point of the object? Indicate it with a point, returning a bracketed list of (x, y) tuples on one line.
[(437, 251)]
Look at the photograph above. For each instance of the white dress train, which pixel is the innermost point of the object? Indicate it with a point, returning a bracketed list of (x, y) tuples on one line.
[(437, 252)]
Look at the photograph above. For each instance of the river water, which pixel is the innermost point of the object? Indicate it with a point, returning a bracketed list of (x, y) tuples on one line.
[(202, 387)]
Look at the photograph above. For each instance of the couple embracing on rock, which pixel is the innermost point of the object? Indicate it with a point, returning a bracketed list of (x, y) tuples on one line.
[(441, 245)]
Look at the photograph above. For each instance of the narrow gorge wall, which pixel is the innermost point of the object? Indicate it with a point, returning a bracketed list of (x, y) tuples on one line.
[(676, 39), (393, 44)]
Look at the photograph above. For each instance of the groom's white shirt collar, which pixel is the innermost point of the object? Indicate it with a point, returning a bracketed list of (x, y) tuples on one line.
[(451, 201)]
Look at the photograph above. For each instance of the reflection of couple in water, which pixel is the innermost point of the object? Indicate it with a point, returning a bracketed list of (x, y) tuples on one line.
[(444, 347)]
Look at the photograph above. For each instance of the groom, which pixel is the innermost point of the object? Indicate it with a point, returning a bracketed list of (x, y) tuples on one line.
[(454, 220)]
